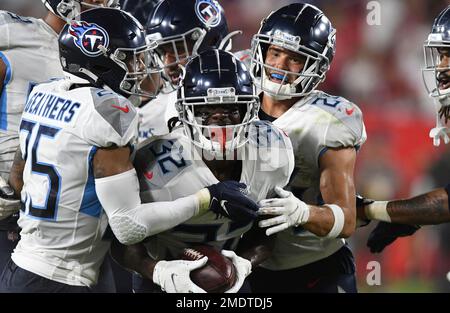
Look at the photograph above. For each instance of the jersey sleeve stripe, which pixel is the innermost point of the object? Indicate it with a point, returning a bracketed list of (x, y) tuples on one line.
[(3, 96), (90, 204)]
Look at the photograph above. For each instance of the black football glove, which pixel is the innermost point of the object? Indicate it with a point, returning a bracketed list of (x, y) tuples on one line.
[(360, 203), (385, 233), (228, 199)]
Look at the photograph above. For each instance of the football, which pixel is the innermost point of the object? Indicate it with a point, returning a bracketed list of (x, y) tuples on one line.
[(219, 273)]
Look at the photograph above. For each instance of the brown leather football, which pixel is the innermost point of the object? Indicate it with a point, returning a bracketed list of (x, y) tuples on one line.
[(219, 273)]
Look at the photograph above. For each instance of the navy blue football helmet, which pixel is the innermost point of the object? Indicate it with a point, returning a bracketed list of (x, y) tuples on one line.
[(69, 9), (300, 28), (215, 78), (107, 47), (436, 73), (183, 28), (140, 9)]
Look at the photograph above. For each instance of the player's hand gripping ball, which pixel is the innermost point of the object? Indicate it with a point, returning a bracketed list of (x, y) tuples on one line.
[(219, 273)]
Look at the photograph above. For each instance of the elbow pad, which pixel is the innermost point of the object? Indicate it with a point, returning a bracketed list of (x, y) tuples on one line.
[(132, 221), (119, 197)]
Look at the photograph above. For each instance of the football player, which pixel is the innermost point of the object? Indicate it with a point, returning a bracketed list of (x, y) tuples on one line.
[(221, 139), (28, 55), (182, 28), (432, 207), (290, 56), (76, 136)]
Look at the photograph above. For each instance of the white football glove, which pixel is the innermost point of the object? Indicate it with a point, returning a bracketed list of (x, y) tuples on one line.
[(8, 205), (243, 269), (291, 211), (173, 276), (439, 133)]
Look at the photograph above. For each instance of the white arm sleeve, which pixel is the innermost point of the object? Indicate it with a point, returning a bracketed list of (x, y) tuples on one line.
[(131, 221)]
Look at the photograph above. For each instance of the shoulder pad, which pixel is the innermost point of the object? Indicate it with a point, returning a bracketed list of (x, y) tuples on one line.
[(273, 148), (245, 56), (264, 134), (9, 18), (159, 159), (346, 112), (117, 111)]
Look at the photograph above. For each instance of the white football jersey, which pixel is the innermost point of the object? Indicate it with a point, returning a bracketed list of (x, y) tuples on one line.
[(169, 168), (155, 115), (314, 124), (62, 221), (29, 48)]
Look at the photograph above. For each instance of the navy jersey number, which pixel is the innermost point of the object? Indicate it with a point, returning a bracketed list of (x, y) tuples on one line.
[(48, 211)]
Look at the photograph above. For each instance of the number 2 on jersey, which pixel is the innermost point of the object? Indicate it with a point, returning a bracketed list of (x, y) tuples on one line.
[(48, 211)]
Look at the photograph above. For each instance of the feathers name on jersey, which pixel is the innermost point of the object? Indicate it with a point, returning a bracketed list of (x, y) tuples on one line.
[(62, 221)]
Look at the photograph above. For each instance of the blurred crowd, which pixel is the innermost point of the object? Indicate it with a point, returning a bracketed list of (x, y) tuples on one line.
[(379, 68)]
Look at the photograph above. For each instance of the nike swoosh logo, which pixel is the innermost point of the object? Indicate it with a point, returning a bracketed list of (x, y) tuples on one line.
[(222, 204), (125, 109), (148, 175), (349, 111), (244, 57)]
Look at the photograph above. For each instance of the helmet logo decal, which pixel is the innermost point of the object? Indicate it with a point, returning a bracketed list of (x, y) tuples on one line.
[(435, 37), (208, 11), (278, 34), (221, 92), (89, 37)]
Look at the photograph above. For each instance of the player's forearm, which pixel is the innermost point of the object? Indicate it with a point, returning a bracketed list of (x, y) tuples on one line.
[(430, 208), (322, 220), (133, 258), (337, 187), (16, 173), (163, 215), (427, 209), (132, 221)]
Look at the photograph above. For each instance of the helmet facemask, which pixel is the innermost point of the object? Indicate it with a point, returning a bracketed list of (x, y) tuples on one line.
[(109, 4), (218, 140), (70, 9), (183, 47), (437, 83), (141, 78), (313, 72)]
